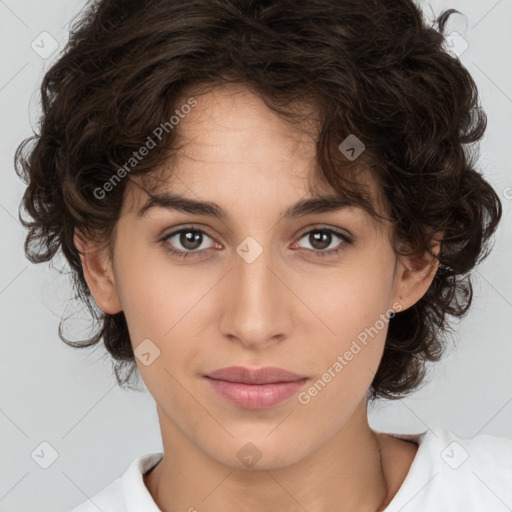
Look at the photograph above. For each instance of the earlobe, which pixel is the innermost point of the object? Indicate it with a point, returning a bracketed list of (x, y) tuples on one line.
[(98, 273)]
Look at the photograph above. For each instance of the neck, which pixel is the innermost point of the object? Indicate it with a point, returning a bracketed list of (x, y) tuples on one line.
[(346, 473)]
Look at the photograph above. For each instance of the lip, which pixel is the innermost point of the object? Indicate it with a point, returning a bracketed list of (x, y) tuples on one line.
[(264, 375), (259, 388)]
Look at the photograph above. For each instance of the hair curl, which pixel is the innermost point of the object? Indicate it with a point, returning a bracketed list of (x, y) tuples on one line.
[(371, 68)]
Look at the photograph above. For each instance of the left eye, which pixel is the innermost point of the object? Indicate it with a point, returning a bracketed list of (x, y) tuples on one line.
[(321, 238)]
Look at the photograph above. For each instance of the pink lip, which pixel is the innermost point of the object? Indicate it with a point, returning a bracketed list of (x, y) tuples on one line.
[(255, 389)]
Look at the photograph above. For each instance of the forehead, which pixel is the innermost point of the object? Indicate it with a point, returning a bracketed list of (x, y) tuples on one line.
[(232, 125), (232, 144), (231, 139)]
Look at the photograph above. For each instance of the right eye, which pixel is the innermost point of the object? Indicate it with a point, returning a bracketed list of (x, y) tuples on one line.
[(191, 239)]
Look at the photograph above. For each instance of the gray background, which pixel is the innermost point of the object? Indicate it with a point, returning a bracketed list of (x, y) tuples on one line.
[(69, 398)]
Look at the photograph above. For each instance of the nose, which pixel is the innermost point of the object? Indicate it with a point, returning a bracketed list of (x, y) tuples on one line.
[(256, 304)]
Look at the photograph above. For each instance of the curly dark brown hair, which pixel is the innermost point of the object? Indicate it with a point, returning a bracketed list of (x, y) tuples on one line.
[(371, 68)]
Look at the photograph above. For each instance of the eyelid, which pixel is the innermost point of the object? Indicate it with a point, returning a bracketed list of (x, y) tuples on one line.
[(191, 227), (178, 229), (325, 227), (343, 233), (346, 239)]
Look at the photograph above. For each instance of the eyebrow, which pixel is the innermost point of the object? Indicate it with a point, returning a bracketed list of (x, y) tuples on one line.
[(305, 206)]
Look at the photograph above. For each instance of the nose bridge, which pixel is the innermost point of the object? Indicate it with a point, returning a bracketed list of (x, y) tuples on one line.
[(256, 312)]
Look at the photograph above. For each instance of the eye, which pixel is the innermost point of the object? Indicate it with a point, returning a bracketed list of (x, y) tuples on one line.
[(320, 239), (192, 240)]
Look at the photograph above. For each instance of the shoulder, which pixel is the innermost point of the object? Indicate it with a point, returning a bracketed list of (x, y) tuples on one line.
[(454, 473), (126, 493)]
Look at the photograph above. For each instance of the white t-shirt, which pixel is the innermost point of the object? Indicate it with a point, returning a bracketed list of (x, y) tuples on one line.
[(448, 474)]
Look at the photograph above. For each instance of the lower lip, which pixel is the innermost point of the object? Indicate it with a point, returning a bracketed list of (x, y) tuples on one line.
[(255, 396)]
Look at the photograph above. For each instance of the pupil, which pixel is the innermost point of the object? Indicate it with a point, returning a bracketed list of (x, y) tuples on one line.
[(321, 239), (191, 239)]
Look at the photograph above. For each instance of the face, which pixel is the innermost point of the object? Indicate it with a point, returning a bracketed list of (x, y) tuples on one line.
[(311, 294)]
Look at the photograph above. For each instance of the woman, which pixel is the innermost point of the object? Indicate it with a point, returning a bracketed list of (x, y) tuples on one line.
[(259, 199)]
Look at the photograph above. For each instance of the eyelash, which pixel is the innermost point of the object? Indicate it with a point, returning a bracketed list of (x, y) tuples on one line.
[(325, 253)]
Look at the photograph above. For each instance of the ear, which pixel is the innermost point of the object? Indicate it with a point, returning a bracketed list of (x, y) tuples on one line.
[(414, 275), (98, 273)]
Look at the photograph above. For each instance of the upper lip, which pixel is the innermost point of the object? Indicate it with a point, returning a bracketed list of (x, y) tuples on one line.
[(265, 375)]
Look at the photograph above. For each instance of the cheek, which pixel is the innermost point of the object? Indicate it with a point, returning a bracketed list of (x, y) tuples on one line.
[(347, 301), (353, 309), (161, 302), (156, 294), (346, 362)]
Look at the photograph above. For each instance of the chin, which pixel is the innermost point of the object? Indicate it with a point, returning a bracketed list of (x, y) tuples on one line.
[(256, 453)]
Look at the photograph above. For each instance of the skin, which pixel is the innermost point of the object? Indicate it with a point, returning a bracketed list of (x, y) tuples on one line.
[(289, 308)]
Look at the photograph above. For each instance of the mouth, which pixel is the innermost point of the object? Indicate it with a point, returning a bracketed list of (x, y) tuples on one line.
[(260, 388)]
